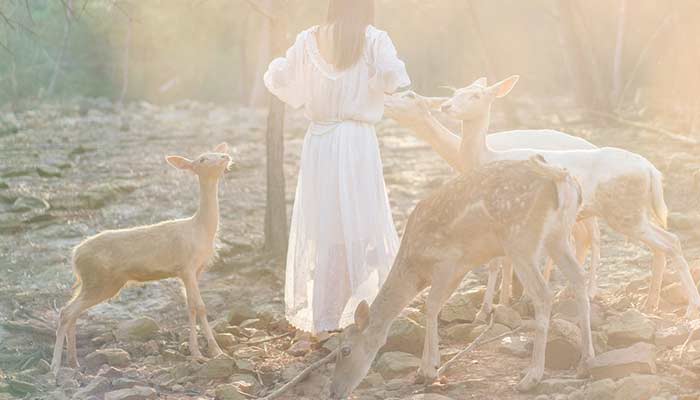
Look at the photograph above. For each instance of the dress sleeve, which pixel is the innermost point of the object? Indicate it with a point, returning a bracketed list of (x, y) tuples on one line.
[(389, 71), (284, 76)]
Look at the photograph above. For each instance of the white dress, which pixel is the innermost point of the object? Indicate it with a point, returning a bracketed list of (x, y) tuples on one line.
[(342, 239)]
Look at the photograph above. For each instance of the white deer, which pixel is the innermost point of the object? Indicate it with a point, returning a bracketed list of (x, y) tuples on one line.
[(622, 187), (409, 109), (181, 248), (522, 209)]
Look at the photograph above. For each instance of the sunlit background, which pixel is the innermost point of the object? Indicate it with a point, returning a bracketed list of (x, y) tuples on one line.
[(607, 55)]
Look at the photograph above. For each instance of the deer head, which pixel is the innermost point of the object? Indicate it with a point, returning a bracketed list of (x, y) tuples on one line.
[(475, 100)]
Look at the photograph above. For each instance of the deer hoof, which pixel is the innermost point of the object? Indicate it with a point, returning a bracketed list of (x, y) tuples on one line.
[(529, 382)]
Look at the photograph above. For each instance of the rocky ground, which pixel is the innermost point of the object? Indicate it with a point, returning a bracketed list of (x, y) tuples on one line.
[(72, 169)]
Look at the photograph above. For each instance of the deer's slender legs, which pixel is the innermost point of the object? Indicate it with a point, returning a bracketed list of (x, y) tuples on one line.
[(445, 280), (506, 282), (487, 304), (594, 231), (197, 309)]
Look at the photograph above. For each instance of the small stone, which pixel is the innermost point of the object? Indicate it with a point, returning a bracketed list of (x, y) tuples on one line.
[(460, 332), (518, 346), (671, 336), (396, 364), (603, 389), (48, 171), (141, 330), (135, 393), (615, 364), (125, 383), (372, 380), (496, 329), (226, 340), (563, 345), (96, 387), (228, 392), (628, 328), (640, 387), (245, 365), (675, 294), (458, 309), (405, 335), (217, 368), (240, 313), (505, 315), (558, 385), (299, 348), (113, 357)]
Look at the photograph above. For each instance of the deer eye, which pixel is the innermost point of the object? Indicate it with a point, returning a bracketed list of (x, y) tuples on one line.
[(201, 160), (345, 351), (475, 96), (410, 95)]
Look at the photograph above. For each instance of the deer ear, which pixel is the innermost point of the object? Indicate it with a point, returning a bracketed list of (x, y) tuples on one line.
[(362, 315), (179, 162), (221, 148), (481, 81), (504, 87)]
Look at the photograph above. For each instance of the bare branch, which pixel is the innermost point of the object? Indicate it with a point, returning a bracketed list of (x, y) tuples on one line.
[(7, 49), (29, 11), (7, 20)]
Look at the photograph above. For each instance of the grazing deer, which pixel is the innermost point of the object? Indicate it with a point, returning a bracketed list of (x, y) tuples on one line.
[(181, 248), (518, 209), (622, 187), (410, 110)]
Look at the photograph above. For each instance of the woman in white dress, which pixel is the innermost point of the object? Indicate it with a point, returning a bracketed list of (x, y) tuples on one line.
[(342, 240)]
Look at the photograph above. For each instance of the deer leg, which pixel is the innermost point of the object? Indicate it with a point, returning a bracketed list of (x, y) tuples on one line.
[(658, 266), (594, 233), (506, 282), (487, 304), (197, 309), (445, 281), (563, 255), (663, 241), (548, 266), (536, 288), (72, 349)]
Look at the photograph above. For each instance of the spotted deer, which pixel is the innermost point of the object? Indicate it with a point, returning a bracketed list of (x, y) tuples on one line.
[(520, 209)]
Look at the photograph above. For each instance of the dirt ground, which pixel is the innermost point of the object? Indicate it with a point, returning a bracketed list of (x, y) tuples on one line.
[(72, 169)]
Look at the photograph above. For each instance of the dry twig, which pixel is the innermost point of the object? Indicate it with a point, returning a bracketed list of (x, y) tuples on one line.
[(302, 375)]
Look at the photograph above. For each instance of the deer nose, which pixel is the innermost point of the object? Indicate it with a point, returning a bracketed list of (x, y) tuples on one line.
[(445, 107)]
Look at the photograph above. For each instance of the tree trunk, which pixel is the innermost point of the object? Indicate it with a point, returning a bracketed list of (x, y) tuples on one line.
[(617, 57), (125, 70), (276, 207), (64, 44), (258, 93)]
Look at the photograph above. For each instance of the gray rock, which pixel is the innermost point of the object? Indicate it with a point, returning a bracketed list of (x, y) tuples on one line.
[(671, 336), (48, 171), (615, 364), (518, 346), (29, 203), (96, 387), (459, 332), (559, 385), (405, 335), (563, 345), (221, 367), (603, 389), (102, 194), (396, 364), (299, 348), (640, 387), (505, 315), (239, 313), (141, 330), (458, 309), (496, 329), (628, 328), (113, 357), (228, 392), (226, 340), (134, 393)]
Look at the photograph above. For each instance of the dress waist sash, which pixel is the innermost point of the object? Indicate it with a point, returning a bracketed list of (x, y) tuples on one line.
[(323, 127)]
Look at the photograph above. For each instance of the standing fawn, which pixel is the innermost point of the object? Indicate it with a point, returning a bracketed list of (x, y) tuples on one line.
[(410, 110), (180, 248), (519, 209), (619, 186)]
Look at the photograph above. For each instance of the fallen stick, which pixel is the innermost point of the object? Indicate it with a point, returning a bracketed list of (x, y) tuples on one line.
[(269, 339), (640, 125), (477, 342), (302, 375)]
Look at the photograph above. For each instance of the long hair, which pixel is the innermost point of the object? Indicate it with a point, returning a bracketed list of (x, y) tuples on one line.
[(348, 20)]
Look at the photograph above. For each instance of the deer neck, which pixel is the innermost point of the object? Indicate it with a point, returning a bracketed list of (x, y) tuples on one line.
[(396, 293), (474, 151), (207, 215)]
